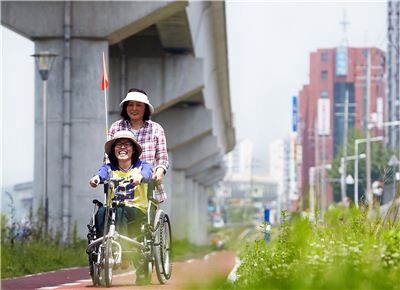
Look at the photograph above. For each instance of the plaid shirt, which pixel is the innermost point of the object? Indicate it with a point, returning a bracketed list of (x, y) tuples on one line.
[(151, 137)]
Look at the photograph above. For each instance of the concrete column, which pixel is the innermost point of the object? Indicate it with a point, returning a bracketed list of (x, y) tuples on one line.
[(198, 227), (192, 205), (87, 128), (179, 213), (202, 208)]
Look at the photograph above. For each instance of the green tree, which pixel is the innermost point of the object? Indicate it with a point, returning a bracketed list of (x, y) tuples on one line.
[(379, 167)]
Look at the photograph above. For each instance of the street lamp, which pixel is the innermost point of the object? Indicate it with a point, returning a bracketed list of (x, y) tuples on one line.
[(343, 171), (356, 143), (44, 61)]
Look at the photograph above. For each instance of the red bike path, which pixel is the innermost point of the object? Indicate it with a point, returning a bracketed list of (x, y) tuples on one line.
[(191, 274)]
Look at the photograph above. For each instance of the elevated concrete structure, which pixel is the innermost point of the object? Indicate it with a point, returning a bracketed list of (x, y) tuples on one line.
[(175, 51)]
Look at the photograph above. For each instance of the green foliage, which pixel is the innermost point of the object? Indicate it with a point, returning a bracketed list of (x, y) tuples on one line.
[(182, 249), (3, 225), (28, 257), (379, 167), (345, 251), (75, 233)]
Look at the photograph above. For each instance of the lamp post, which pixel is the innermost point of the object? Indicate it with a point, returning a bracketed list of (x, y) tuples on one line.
[(343, 172), (44, 61), (356, 143)]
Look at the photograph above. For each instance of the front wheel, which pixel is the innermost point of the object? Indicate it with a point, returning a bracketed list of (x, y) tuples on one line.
[(108, 263), (93, 268), (162, 248)]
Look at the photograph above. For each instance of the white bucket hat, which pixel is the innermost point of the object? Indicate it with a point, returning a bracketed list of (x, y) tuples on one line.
[(138, 97), (122, 134)]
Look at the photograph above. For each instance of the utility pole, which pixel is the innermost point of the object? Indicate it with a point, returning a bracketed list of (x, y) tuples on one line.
[(317, 173), (368, 134), (345, 134), (311, 176), (356, 143)]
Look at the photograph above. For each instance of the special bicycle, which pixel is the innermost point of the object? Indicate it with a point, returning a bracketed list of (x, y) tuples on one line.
[(154, 242)]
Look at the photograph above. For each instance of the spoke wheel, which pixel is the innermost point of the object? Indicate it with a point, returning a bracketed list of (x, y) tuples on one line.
[(108, 263), (162, 249), (93, 269)]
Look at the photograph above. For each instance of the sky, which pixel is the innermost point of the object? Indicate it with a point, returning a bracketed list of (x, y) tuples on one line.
[(269, 43)]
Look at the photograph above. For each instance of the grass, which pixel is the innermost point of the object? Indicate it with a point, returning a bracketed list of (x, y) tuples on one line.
[(29, 257), (345, 251)]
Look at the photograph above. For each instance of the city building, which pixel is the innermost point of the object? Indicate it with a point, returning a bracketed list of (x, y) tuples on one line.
[(283, 169), (335, 73), (245, 192), (393, 71), (17, 201)]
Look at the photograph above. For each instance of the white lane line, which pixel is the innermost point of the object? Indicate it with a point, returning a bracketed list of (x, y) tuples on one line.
[(84, 281), (70, 284), (243, 234), (189, 261), (232, 275), (41, 273), (79, 282)]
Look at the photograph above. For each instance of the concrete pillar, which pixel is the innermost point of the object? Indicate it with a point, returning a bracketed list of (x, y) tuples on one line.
[(191, 204), (87, 128), (179, 213), (202, 208), (198, 227)]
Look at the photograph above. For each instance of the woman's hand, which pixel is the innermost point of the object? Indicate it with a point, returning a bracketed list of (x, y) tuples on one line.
[(158, 175), (94, 181), (136, 180)]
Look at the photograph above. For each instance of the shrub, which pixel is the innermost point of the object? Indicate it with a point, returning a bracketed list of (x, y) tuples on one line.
[(345, 251)]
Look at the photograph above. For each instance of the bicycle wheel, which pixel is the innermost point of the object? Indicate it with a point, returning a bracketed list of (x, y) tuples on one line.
[(93, 269), (148, 270), (162, 248), (108, 263)]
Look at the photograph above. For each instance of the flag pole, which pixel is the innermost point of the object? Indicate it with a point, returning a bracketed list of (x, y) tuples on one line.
[(104, 87), (106, 109)]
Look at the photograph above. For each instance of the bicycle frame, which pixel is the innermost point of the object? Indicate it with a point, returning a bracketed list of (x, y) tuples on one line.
[(112, 233), (107, 250)]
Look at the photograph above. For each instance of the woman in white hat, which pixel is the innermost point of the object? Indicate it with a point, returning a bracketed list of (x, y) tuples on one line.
[(136, 111), (123, 152)]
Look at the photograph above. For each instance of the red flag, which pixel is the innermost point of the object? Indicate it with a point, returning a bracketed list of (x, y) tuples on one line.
[(104, 79)]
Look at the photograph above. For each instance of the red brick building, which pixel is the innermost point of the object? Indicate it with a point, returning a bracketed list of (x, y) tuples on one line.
[(333, 72)]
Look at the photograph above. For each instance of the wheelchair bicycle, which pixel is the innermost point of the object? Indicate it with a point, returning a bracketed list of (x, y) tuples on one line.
[(154, 242)]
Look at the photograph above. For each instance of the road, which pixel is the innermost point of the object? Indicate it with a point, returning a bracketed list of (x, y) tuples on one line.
[(190, 274)]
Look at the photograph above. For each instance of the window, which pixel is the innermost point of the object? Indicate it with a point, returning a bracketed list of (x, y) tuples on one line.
[(324, 75), (324, 95), (324, 56)]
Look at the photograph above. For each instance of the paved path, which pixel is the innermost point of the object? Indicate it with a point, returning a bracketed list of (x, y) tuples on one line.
[(194, 273)]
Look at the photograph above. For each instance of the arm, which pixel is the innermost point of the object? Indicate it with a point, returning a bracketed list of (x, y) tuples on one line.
[(161, 157), (101, 175), (147, 171)]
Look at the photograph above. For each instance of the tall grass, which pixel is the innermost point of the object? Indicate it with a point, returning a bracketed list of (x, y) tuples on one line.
[(345, 251), (29, 257)]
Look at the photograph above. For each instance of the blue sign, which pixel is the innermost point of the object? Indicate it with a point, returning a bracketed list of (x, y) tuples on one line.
[(266, 215), (294, 113), (341, 61)]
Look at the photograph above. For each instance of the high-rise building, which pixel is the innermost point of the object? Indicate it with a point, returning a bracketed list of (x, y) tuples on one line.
[(283, 170), (335, 73), (393, 71)]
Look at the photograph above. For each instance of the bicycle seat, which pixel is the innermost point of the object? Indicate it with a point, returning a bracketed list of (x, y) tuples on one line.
[(99, 203)]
